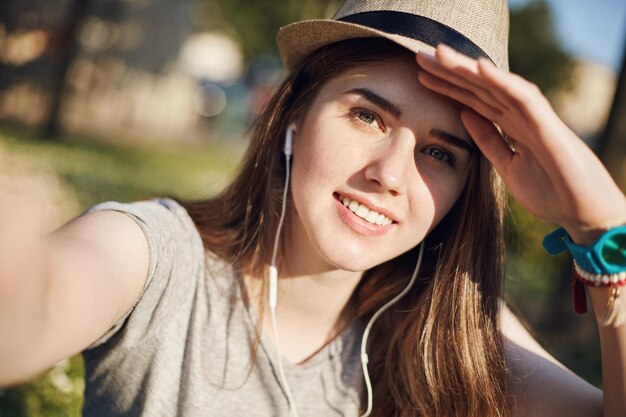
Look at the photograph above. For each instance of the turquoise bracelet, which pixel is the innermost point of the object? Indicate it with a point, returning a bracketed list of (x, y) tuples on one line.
[(607, 256)]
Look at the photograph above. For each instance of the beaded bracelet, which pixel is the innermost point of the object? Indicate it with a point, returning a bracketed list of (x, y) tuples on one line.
[(600, 280), (613, 314)]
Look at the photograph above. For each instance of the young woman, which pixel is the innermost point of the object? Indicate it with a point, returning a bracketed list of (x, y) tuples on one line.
[(370, 180)]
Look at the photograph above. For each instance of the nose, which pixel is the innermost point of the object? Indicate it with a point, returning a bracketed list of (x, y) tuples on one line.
[(389, 166)]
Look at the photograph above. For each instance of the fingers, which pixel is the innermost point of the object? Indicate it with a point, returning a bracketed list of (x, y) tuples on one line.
[(461, 95), (465, 72), (521, 95), (488, 140), (509, 93), (473, 72), (444, 66)]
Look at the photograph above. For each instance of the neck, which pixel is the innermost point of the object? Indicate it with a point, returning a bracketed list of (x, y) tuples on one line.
[(317, 299), (313, 296), (312, 309)]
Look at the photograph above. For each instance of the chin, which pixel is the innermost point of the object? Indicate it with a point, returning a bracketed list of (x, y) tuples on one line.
[(354, 261)]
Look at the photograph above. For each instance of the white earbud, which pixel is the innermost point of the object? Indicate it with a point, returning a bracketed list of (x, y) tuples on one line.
[(289, 139)]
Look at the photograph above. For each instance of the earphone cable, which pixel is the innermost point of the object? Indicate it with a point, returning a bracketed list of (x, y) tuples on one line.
[(368, 328), (281, 368), (273, 272)]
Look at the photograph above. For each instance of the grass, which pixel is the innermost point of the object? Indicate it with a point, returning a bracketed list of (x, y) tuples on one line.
[(99, 171)]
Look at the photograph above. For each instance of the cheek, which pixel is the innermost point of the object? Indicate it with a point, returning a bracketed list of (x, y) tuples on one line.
[(319, 160), (439, 196), (312, 168)]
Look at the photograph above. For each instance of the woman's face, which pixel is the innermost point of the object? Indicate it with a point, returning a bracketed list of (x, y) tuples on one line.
[(378, 160)]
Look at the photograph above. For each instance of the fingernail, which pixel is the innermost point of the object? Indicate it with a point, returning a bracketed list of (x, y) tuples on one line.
[(426, 54)]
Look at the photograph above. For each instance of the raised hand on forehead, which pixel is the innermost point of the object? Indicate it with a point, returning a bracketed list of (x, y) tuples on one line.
[(551, 172)]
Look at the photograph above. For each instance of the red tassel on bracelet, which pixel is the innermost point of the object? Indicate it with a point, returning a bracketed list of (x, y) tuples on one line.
[(614, 313), (580, 296)]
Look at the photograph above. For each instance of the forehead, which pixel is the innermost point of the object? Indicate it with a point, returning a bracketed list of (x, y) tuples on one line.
[(396, 81)]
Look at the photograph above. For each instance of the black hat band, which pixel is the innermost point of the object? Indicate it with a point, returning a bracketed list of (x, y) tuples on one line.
[(419, 28)]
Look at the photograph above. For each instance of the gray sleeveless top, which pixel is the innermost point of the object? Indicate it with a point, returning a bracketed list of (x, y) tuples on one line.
[(184, 349)]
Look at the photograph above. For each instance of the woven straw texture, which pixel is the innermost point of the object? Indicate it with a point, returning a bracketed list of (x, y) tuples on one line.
[(484, 22)]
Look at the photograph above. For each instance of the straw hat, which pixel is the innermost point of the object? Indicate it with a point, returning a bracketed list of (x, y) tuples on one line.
[(478, 28)]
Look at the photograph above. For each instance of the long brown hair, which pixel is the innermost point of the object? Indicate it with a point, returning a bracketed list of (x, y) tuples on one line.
[(439, 351)]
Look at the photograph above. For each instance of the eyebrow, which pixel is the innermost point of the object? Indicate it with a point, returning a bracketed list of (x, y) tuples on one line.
[(381, 102), (453, 140)]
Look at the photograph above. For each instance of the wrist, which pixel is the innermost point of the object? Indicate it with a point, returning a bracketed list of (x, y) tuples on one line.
[(586, 228), (601, 263), (605, 255), (586, 237)]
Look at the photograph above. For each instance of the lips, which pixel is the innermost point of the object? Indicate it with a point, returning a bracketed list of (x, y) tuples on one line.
[(365, 212), (371, 217)]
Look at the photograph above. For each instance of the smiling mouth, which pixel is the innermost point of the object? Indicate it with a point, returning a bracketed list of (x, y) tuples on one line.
[(363, 211)]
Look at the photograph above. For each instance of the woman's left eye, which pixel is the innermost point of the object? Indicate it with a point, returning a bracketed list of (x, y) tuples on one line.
[(367, 118), (440, 155)]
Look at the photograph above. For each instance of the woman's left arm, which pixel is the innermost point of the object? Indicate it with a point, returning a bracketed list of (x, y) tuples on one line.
[(537, 381), (546, 167)]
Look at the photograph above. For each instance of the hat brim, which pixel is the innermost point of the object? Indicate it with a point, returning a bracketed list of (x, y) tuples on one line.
[(298, 40)]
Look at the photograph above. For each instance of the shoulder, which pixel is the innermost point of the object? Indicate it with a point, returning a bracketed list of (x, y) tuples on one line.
[(538, 384), (164, 212), (175, 262), (165, 224)]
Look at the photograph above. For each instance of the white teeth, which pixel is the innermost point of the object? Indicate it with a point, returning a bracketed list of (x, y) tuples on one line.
[(372, 216), (364, 212)]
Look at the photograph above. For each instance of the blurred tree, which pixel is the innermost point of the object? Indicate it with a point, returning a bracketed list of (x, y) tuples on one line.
[(534, 49), (65, 49), (257, 22), (143, 35)]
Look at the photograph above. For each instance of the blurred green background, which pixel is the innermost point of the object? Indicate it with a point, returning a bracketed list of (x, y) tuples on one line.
[(129, 99)]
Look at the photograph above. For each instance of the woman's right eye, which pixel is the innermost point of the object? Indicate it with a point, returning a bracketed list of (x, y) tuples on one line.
[(367, 118)]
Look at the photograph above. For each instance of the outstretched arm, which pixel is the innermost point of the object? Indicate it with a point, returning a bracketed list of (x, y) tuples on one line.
[(60, 292), (550, 171)]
